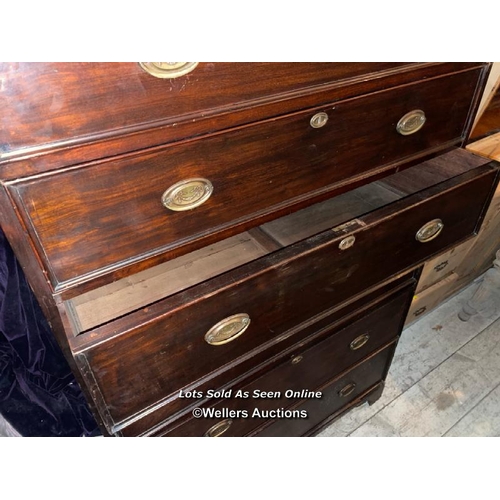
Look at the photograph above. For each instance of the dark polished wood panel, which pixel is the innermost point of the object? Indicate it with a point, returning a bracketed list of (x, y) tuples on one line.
[(309, 367), (263, 360), (111, 212), (489, 123), (75, 150), (364, 376), (278, 292), (432, 172), (45, 103), (87, 149)]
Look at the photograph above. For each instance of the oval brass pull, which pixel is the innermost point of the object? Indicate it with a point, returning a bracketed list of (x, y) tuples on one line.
[(420, 311), (347, 242), (411, 122), (319, 120), (429, 231), (347, 390), (168, 69), (187, 194), (219, 428), (228, 329), (359, 342), (441, 266), (297, 359)]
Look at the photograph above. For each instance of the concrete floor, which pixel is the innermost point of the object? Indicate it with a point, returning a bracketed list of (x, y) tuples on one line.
[(444, 380)]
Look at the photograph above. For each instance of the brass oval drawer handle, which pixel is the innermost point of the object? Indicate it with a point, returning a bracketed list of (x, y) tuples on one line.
[(429, 231), (359, 342), (228, 329), (187, 194), (347, 390), (420, 311), (219, 428), (411, 122), (319, 120), (347, 242), (297, 359), (168, 69), (441, 266)]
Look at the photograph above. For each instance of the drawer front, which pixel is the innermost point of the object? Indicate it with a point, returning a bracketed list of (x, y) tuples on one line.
[(308, 367), (426, 300), (443, 265), (336, 396), (113, 213), (71, 100), (261, 362), (168, 351)]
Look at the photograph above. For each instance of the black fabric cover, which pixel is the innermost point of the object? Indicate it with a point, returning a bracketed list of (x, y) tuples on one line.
[(39, 395)]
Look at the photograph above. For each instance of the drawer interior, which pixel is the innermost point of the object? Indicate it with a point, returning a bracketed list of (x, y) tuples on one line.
[(322, 216), (104, 304)]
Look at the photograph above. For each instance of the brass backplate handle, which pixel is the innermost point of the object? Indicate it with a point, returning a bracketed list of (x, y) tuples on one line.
[(429, 231), (420, 311), (441, 266), (228, 329), (187, 194), (319, 120), (411, 122), (347, 390), (219, 428), (168, 69), (359, 342), (347, 242)]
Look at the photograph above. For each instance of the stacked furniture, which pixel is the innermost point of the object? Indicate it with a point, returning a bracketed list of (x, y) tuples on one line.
[(235, 238)]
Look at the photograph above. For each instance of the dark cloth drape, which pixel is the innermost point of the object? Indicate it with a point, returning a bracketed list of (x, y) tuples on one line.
[(39, 395)]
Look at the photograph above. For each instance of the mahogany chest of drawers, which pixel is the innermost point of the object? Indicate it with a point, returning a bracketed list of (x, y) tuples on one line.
[(240, 241)]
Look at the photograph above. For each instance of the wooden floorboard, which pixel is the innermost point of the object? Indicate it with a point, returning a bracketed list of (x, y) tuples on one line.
[(443, 381), (482, 420)]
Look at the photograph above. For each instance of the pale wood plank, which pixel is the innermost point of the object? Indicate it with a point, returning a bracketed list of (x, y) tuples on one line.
[(482, 421), (426, 300), (121, 297), (443, 397), (488, 147), (444, 264), (328, 214)]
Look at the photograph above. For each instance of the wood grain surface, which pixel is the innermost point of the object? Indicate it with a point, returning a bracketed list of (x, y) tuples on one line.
[(310, 366), (278, 292), (111, 212)]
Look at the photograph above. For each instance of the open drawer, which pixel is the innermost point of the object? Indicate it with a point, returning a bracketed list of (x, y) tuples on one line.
[(151, 341)]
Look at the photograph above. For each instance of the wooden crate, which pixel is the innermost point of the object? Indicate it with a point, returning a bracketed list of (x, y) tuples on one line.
[(444, 264), (431, 297)]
